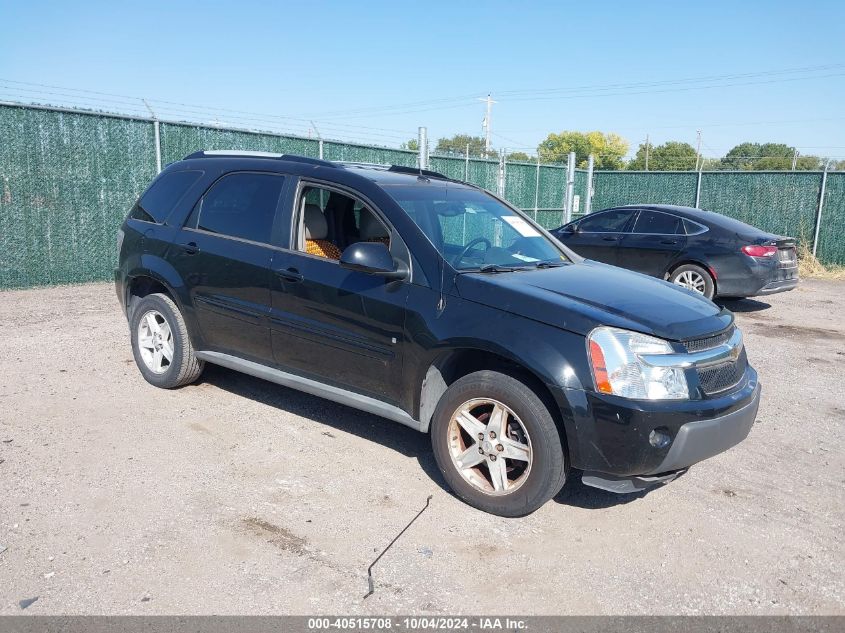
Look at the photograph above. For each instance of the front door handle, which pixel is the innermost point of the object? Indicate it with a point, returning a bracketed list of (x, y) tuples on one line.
[(191, 248), (610, 239), (291, 274), (669, 241)]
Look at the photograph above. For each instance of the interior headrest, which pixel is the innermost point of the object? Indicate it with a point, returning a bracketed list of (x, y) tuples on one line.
[(316, 227), (371, 228)]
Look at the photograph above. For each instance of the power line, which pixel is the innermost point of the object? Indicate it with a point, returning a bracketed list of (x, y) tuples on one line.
[(645, 84)]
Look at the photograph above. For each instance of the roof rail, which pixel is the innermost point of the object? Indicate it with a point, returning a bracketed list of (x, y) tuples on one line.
[(420, 172), (224, 153)]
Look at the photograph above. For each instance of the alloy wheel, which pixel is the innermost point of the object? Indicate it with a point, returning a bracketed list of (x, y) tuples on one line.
[(490, 446), (691, 280), (155, 342)]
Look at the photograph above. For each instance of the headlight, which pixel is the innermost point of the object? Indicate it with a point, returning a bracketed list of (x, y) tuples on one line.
[(619, 370)]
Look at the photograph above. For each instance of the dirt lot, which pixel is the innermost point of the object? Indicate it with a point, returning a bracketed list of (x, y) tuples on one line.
[(238, 496)]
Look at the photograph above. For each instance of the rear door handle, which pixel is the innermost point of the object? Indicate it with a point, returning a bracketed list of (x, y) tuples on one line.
[(191, 248), (610, 239), (291, 274), (669, 241)]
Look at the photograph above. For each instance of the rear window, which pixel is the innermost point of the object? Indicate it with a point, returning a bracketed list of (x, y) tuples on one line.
[(658, 223), (241, 205), (163, 195)]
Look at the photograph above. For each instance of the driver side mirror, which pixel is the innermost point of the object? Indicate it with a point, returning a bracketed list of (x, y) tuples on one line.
[(569, 229), (372, 258)]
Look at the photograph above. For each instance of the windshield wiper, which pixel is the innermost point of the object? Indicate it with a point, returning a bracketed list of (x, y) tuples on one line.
[(551, 264), (494, 268)]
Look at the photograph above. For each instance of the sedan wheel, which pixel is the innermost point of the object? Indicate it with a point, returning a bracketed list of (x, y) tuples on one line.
[(691, 280), (694, 278)]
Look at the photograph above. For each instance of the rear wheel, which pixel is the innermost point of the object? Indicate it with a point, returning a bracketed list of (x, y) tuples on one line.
[(160, 343), (694, 278), (497, 445)]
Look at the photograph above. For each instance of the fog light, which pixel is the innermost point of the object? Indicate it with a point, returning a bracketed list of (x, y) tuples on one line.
[(659, 439)]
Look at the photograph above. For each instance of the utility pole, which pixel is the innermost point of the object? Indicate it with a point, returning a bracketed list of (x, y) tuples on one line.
[(794, 159), (485, 124), (646, 152), (698, 149)]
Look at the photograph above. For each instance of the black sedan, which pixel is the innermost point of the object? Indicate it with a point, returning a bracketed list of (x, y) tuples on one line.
[(700, 250)]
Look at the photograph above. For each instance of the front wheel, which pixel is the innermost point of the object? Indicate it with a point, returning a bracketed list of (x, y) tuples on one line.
[(694, 278), (497, 445)]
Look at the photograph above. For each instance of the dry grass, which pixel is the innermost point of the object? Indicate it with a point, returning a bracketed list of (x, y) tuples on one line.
[(809, 266)]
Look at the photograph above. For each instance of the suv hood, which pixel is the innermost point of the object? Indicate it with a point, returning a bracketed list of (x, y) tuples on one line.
[(584, 295)]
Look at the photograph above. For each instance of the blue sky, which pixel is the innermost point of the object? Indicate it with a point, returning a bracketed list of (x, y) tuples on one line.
[(374, 71)]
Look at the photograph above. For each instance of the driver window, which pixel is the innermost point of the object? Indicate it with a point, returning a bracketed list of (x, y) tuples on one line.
[(329, 221)]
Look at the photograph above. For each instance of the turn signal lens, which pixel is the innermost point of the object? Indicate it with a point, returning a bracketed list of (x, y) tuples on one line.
[(755, 250), (599, 368)]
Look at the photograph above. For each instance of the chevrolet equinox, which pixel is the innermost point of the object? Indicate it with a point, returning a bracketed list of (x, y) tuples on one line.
[(433, 303)]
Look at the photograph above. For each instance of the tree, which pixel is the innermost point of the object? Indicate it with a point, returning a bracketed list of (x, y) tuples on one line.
[(519, 156), (411, 144), (769, 156), (671, 156), (838, 165), (608, 149), (458, 145)]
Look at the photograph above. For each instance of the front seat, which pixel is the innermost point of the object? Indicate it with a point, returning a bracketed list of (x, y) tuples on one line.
[(371, 229), (316, 232)]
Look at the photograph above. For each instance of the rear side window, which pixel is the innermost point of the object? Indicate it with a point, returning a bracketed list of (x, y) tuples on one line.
[(241, 205), (658, 223), (607, 222), (160, 199)]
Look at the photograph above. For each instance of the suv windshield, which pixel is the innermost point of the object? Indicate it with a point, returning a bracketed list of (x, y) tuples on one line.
[(472, 230)]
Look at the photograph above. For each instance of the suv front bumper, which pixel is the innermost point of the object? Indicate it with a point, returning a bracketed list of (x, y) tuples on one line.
[(693, 442), (612, 444)]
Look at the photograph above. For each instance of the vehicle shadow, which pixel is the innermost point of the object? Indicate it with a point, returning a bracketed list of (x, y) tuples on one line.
[(578, 495), (381, 431), (743, 305), (373, 428)]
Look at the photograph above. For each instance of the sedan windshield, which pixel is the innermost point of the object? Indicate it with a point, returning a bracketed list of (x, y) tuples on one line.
[(474, 231)]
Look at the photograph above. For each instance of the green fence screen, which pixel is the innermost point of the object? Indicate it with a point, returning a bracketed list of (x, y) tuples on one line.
[(68, 178), (68, 181)]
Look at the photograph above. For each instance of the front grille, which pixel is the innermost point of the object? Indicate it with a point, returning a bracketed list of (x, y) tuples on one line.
[(787, 258), (722, 377), (709, 342)]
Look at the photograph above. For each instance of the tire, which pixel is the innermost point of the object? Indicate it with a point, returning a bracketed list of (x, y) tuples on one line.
[(695, 278), (529, 483), (183, 367)]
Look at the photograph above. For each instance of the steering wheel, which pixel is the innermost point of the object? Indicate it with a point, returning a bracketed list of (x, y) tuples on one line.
[(469, 246)]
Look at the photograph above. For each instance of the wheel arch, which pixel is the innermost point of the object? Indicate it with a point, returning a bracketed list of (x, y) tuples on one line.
[(450, 365)]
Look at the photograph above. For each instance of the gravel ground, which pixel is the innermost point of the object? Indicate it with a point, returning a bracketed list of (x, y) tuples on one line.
[(238, 496)]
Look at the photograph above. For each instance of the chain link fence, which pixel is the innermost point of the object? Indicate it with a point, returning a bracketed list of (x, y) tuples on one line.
[(69, 177)]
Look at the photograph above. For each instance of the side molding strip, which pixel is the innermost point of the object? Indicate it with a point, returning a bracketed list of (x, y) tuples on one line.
[(335, 394)]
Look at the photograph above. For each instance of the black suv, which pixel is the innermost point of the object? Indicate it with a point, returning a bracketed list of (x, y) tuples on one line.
[(433, 303)]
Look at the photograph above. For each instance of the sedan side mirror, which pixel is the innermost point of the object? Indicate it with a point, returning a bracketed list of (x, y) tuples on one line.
[(569, 229), (372, 258)]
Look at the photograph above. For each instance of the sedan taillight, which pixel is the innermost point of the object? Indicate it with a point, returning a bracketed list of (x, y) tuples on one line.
[(755, 250)]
